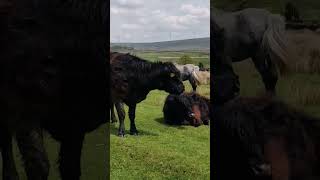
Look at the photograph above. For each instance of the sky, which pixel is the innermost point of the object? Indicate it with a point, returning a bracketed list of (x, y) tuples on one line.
[(158, 20)]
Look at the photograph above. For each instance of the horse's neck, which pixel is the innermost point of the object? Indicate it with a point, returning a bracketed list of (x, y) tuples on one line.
[(216, 16), (217, 12), (148, 79)]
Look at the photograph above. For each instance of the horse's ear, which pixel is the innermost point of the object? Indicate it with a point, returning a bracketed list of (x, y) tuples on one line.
[(166, 69), (221, 31)]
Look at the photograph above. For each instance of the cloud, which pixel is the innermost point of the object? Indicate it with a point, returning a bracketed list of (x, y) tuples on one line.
[(131, 26), (127, 3), (195, 10), (153, 20)]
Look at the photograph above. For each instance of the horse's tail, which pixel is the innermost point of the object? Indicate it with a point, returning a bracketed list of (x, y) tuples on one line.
[(274, 44), (196, 77)]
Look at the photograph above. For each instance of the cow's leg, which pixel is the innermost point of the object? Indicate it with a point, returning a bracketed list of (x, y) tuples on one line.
[(132, 115), (9, 171), (70, 157), (121, 115), (30, 143)]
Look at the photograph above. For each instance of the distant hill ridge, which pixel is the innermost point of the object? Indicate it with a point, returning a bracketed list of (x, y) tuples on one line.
[(199, 44)]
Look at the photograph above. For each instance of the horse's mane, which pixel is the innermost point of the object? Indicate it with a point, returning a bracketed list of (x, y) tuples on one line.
[(93, 10), (142, 67), (93, 13)]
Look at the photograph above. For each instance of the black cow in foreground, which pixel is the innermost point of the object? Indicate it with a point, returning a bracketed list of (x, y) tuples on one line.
[(264, 138), (133, 78), (186, 109), (53, 77)]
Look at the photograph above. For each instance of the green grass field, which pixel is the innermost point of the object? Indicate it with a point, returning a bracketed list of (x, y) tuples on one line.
[(160, 151), (301, 90), (94, 156)]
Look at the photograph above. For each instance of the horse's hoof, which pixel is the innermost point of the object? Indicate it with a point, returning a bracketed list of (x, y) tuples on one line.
[(12, 177), (121, 134), (135, 133)]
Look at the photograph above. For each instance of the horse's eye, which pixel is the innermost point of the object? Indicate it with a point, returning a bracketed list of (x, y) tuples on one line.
[(172, 75)]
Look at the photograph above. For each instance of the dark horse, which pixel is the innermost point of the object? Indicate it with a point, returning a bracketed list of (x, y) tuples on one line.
[(53, 77), (256, 34), (268, 133), (186, 109), (133, 78)]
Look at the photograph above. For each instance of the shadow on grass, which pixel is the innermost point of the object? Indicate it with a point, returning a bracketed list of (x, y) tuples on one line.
[(114, 131), (161, 121)]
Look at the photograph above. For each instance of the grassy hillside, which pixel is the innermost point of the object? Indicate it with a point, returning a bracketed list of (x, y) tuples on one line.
[(309, 9), (196, 56), (199, 44)]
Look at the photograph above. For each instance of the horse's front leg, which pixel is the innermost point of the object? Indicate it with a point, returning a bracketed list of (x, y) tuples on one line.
[(121, 115), (268, 73), (30, 143), (113, 117), (132, 115), (9, 171), (193, 83), (70, 157)]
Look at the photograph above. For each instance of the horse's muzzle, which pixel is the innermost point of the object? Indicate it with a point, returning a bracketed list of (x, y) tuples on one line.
[(262, 170)]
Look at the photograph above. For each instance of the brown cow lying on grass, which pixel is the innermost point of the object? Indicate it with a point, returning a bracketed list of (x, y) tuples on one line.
[(260, 131), (186, 109)]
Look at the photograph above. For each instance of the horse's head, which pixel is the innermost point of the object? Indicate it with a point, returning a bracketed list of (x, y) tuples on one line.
[(225, 87), (169, 79), (36, 76), (195, 116), (244, 136), (225, 81)]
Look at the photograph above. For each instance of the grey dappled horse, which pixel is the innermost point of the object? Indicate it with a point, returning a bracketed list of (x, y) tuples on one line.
[(187, 72), (256, 34)]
